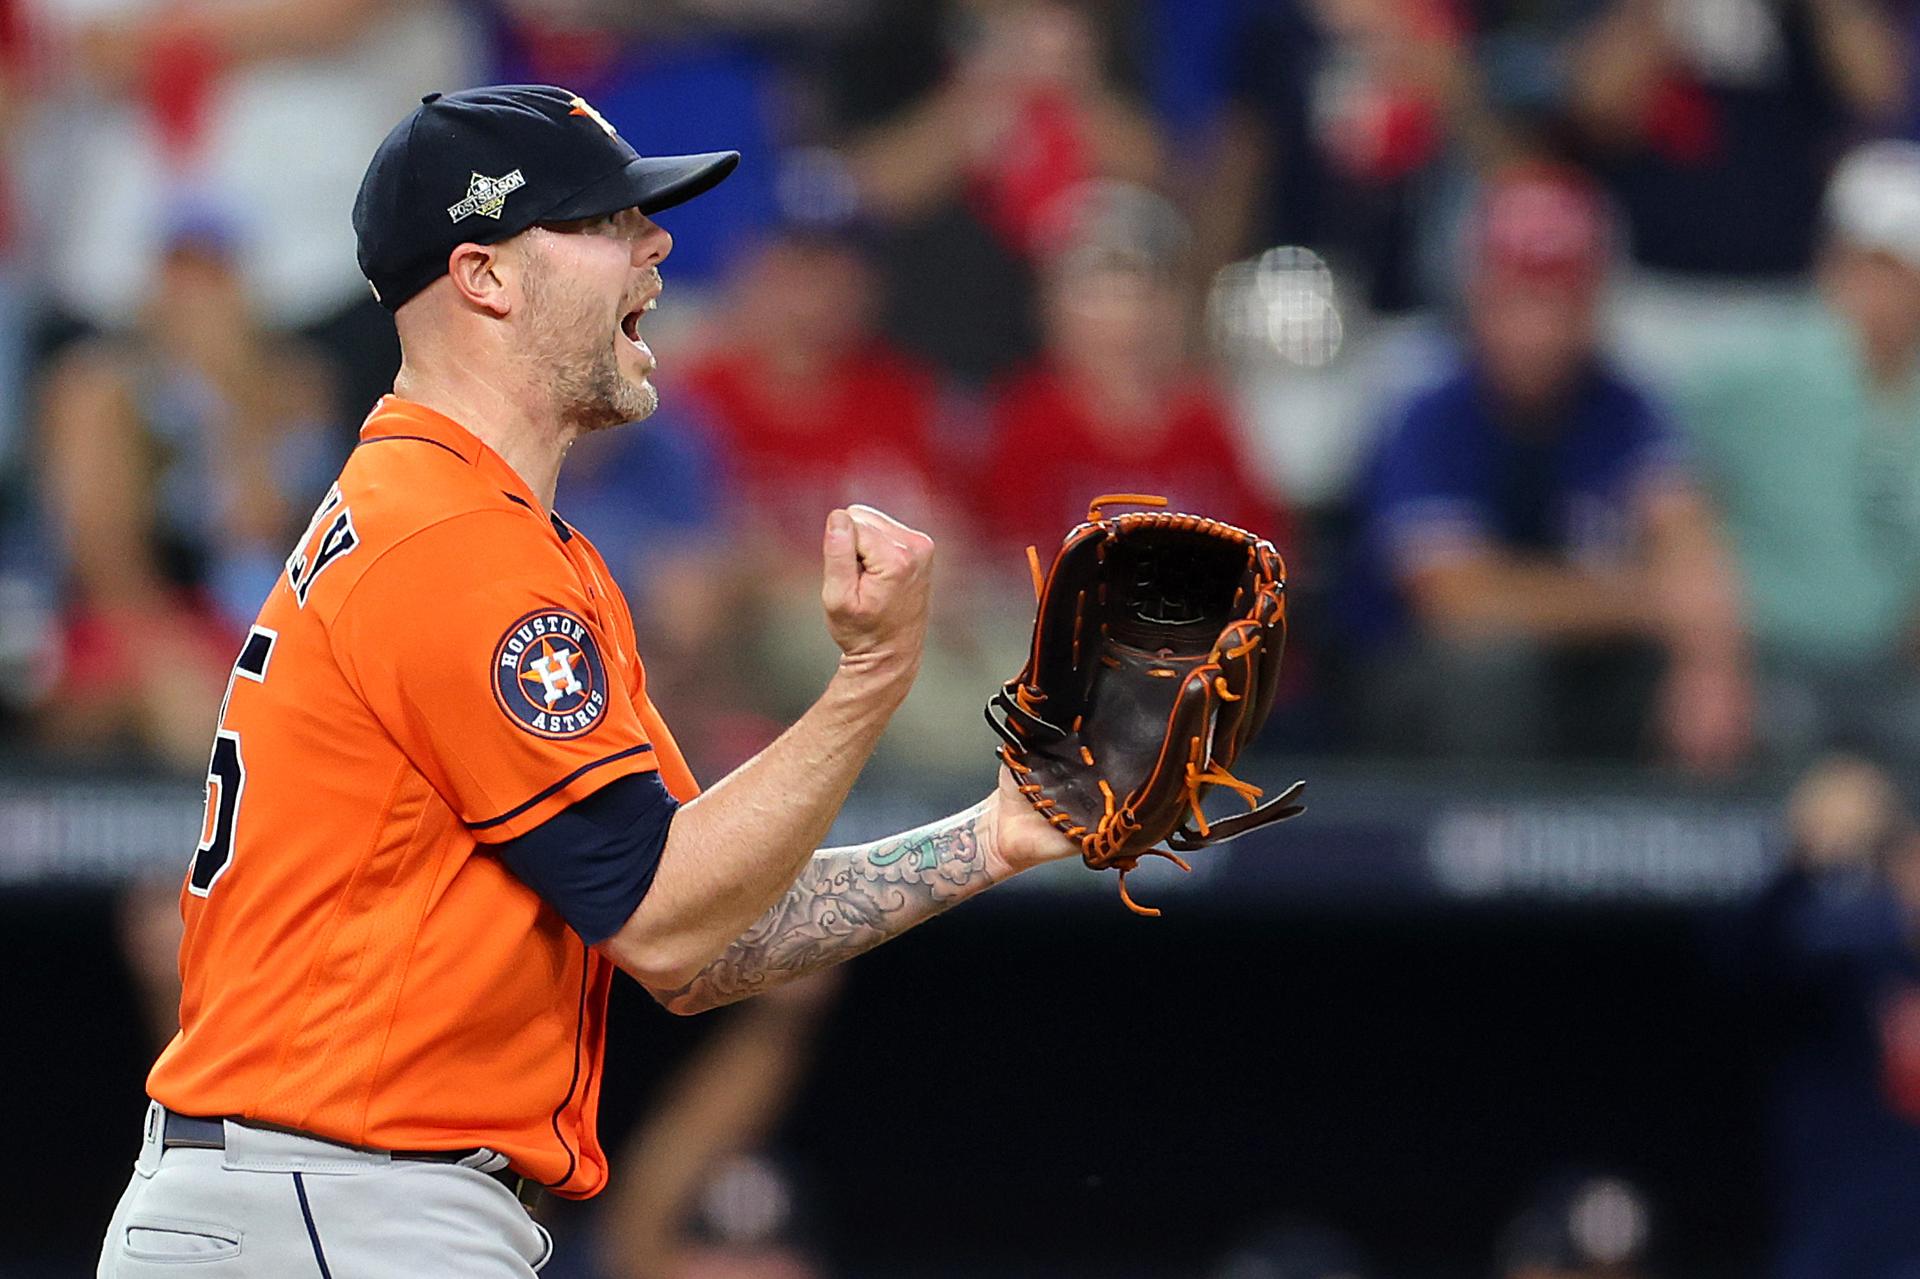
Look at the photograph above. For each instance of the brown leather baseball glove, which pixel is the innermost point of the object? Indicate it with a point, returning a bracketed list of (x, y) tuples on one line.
[(1156, 650)]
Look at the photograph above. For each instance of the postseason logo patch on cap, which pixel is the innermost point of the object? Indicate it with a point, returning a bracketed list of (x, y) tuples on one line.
[(548, 676), (486, 196)]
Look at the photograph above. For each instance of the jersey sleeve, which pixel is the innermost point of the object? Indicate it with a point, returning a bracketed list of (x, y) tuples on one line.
[(478, 650), (593, 861)]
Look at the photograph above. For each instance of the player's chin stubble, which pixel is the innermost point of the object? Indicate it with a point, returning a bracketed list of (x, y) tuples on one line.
[(581, 366)]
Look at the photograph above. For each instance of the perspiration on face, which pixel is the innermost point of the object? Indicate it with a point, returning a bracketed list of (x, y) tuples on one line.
[(570, 330)]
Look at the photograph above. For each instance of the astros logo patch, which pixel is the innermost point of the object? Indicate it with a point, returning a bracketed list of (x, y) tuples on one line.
[(547, 675)]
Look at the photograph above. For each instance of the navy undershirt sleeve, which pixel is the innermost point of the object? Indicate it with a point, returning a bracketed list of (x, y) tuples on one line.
[(595, 859)]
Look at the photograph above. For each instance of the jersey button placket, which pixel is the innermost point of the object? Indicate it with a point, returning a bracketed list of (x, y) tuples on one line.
[(584, 573)]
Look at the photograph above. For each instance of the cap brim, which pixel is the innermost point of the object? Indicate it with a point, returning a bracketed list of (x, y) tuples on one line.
[(649, 184)]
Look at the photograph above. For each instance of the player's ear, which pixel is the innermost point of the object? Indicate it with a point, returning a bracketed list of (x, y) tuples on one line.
[(479, 276)]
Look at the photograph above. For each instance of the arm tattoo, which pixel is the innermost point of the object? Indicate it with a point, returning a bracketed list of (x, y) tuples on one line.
[(846, 901)]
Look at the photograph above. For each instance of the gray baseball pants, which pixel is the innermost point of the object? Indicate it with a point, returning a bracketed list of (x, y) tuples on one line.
[(273, 1205)]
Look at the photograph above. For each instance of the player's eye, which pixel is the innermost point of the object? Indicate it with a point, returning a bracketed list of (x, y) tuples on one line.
[(604, 224)]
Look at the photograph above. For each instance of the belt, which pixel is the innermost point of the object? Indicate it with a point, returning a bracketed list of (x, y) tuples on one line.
[(211, 1134)]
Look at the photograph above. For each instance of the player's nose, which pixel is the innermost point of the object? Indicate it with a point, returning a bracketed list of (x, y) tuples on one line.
[(652, 245)]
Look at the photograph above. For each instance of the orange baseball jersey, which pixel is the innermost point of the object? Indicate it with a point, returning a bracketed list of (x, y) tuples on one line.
[(443, 666)]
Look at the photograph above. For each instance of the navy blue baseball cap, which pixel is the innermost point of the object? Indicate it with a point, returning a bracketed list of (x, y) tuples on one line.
[(481, 165)]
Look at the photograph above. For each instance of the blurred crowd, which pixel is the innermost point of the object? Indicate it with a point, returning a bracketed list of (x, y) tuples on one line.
[(1567, 348)]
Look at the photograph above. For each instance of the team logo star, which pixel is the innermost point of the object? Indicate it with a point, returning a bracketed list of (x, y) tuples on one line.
[(582, 107), (553, 671), (486, 196)]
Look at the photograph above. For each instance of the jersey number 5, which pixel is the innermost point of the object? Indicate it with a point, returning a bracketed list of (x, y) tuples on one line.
[(227, 773)]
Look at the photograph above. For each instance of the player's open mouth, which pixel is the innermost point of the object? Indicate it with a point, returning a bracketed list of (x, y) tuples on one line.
[(630, 323)]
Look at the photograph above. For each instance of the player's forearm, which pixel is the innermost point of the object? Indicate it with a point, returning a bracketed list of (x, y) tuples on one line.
[(732, 852), (845, 902)]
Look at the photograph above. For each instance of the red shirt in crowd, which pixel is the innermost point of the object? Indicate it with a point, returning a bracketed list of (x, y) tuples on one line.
[(862, 433), (1047, 459)]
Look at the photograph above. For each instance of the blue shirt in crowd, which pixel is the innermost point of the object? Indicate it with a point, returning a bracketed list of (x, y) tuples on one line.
[(644, 489), (1451, 469), (675, 96)]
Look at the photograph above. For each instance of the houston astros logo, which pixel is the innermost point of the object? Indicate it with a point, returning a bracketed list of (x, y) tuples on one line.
[(486, 196), (547, 675)]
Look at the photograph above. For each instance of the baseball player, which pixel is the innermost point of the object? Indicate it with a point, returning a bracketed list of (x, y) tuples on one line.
[(441, 810)]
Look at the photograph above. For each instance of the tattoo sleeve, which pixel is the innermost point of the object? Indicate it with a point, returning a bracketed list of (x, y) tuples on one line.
[(845, 902)]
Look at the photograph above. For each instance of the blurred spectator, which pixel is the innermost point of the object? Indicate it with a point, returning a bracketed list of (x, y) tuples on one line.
[(1115, 404), (1294, 1251), (273, 107), (179, 462), (698, 1197), (971, 175), (1579, 1227), (813, 408), (1028, 113), (812, 405), (1340, 116), (1718, 120), (1536, 559), (1808, 435), (1838, 958)]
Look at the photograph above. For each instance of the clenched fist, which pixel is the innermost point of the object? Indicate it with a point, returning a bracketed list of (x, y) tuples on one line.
[(875, 591)]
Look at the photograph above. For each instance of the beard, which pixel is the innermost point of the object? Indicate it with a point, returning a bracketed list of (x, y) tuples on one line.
[(579, 364)]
